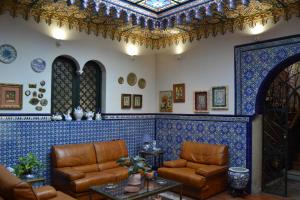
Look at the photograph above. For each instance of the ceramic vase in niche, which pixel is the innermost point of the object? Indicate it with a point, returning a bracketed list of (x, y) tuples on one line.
[(89, 115), (238, 177), (135, 179), (98, 116), (78, 113)]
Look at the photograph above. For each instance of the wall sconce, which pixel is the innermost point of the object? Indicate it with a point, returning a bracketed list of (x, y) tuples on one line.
[(178, 56)]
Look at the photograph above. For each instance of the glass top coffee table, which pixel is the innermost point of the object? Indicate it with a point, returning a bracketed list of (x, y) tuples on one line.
[(147, 188)]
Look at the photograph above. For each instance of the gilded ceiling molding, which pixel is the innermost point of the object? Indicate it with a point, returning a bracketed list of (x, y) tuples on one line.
[(186, 25)]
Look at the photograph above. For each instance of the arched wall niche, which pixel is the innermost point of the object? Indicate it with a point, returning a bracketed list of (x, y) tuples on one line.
[(103, 83), (255, 64), (263, 89)]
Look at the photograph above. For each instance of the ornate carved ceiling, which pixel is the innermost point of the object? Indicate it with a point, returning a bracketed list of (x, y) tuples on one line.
[(156, 27)]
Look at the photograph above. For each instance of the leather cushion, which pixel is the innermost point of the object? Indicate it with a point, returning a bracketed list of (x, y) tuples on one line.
[(70, 155), (120, 173), (211, 154), (110, 151), (175, 163), (211, 170), (187, 176), (23, 191), (45, 192), (69, 173), (92, 179), (108, 165), (194, 165), (7, 183), (62, 196)]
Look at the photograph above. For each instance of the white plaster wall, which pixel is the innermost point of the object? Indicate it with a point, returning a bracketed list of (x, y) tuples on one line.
[(210, 62), (257, 148), (33, 40)]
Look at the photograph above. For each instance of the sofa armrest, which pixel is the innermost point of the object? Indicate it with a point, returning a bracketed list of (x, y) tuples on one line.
[(211, 170), (45, 192), (69, 173), (175, 163)]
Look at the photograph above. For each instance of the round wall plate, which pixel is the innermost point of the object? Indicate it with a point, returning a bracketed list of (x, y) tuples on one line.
[(7, 53), (142, 83), (120, 80), (131, 79), (38, 65)]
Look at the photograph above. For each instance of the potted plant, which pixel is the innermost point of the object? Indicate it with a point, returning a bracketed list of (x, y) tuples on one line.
[(136, 166), (27, 165)]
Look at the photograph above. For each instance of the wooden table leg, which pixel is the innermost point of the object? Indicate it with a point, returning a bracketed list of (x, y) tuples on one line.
[(180, 192)]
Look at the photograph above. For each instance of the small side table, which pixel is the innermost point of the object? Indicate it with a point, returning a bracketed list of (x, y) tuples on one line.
[(34, 182), (158, 157)]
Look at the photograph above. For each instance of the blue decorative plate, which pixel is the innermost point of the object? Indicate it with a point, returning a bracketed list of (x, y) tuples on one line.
[(7, 53), (38, 65)]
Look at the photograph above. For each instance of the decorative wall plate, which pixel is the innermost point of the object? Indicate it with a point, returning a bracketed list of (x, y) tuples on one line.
[(44, 102), (40, 95), (142, 83), (38, 65), (43, 83), (7, 53), (120, 80), (27, 92), (34, 101), (131, 79), (42, 90), (39, 108)]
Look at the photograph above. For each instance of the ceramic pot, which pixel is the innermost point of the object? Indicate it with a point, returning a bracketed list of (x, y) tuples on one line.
[(135, 179), (89, 115), (98, 116), (238, 177), (78, 113)]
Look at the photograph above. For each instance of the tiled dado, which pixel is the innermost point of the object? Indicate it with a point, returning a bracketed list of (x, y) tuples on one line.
[(17, 138), (235, 132), (21, 137)]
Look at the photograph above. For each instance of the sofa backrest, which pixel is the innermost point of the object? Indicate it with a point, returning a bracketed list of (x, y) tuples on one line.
[(74, 155), (212, 154), (12, 188), (110, 151)]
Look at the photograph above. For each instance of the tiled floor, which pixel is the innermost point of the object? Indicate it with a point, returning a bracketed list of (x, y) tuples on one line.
[(227, 196)]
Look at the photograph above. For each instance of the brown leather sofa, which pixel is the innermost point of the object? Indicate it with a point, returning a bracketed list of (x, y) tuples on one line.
[(12, 188), (77, 167), (202, 168)]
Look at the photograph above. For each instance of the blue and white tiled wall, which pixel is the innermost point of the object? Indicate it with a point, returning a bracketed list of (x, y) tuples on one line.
[(19, 138), (235, 132)]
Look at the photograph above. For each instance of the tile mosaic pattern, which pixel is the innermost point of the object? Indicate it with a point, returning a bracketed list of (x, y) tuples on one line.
[(19, 138), (253, 64), (172, 132)]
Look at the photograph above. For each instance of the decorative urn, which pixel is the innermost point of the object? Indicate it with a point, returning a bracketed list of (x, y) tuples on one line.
[(98, 116), (78, 113), (238, 177)]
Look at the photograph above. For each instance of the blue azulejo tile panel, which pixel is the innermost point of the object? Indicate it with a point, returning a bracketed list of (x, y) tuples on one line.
[(19, 138), (171, 133), (253, 63)]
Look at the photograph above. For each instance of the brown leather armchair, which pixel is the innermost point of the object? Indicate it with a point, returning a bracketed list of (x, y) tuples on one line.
[(12, 188), (202, 168), (77, 167)]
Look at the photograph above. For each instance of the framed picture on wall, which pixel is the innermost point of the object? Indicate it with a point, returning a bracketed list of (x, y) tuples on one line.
[(219, 97), (179, 93), (165, 101), (11, 96), (137, 101), (201, 102), (125, 101)]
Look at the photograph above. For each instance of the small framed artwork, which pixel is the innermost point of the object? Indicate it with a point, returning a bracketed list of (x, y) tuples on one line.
[(179, 93), (201, 102), (219, 97), (125, 101), (11, 96), (137, 101), (165, 101)]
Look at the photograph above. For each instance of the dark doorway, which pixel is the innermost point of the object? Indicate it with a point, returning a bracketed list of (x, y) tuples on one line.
[(281, 133)]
